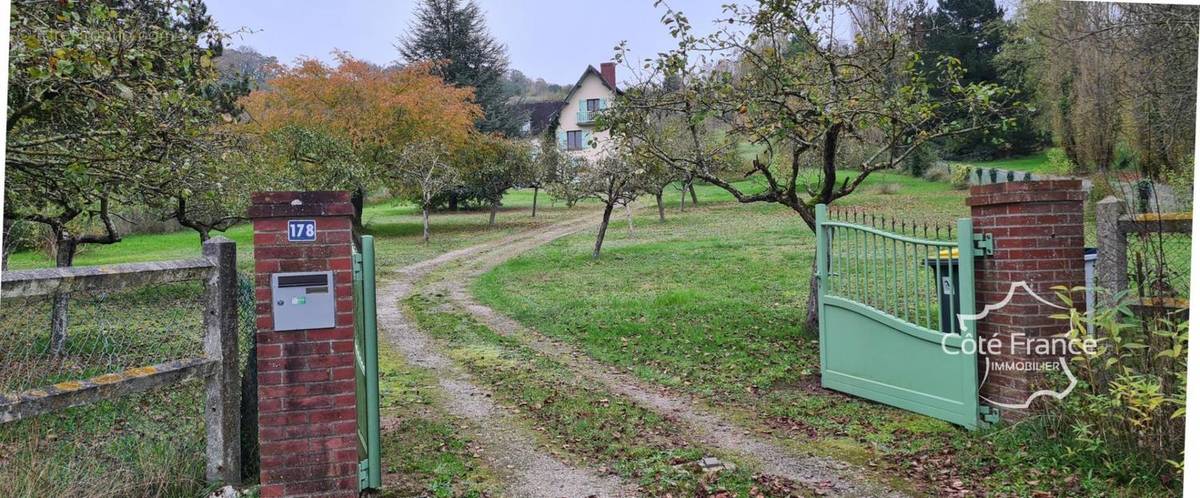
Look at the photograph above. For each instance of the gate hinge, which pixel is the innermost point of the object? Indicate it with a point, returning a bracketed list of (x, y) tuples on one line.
[(364, 475), (983, 244), (989, 414)]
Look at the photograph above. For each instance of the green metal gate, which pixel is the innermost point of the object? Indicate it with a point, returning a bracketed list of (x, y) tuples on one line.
[(884, 299), (366, 366)]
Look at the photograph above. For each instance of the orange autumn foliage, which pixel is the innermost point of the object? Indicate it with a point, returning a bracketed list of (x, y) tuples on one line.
[(376, 110)]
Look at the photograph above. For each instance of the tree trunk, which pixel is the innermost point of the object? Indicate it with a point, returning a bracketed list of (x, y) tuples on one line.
[(64, 256), (492, 215), (204, 234), (453, 202), (629, 217), (8, 243), (692, 189), (682, 197), (358, 199), (658, 198), (603, 227), (425, 222), (811, 319), (534, 215)]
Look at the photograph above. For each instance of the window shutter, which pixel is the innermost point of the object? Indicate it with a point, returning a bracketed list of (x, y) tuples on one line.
[(587, 135), (582, 104), (603, 103), (562, 140)]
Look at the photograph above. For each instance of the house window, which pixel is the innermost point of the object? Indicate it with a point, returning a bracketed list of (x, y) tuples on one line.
[(575, 140), (593, 105)]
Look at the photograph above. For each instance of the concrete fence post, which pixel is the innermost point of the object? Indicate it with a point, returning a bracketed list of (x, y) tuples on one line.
[(1112, 257), (222, 400), (1037, 230)]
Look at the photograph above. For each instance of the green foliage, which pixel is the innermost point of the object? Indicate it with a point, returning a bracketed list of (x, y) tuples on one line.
[(1127, 413), (973, 32), (454, 33), (921, 160), (960, 175), (779, 49), (104, 98), (1096, 70), (1182, 183)]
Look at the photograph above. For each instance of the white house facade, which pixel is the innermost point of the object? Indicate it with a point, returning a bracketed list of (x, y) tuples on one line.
[(574, 126)]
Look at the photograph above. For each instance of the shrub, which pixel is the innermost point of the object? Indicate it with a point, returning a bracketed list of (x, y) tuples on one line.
[(1126, 158), (938, 174), (960, 175), (1102, 186), (1181, 183), (888, 188), (1125, 418), (921, 160), (1060, 164)]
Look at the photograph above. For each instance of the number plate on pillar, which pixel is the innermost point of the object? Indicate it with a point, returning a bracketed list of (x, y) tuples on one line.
[(302, 230)]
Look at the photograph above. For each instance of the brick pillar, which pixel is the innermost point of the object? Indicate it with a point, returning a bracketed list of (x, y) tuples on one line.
[(1038, 235), (306, 400)]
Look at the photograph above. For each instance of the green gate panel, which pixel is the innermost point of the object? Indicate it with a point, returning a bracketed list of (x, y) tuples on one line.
[(366, 362), (869, 351), (867, 355)]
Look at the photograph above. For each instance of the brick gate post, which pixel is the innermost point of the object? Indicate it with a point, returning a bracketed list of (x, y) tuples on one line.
[(306, 400), (1038, 238)]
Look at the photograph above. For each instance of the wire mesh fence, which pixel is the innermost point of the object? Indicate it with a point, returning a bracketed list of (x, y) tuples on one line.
[(104, 332), (150, 443), (1160, 267)]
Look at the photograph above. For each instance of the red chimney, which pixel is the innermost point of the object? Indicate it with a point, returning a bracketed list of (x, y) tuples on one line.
[(608, 71)]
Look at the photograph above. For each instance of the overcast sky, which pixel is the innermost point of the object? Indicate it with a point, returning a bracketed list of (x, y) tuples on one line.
[(551, 39)]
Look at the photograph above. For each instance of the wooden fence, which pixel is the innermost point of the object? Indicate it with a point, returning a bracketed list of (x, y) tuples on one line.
[(218, 365)]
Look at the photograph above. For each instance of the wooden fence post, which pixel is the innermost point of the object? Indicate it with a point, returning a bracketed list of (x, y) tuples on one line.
[(222, 404), (1112, 263)]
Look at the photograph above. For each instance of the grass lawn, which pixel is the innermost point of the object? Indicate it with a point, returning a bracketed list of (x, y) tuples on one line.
[(398, 223), (1033, 163), (147, 444), (426, 452), (712, 303)]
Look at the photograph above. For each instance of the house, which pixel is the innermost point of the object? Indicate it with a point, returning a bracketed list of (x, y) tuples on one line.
[(574, 122), (540, 115)]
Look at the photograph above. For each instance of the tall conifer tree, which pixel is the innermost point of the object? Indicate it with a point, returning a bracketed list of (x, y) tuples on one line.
[(454, 33)]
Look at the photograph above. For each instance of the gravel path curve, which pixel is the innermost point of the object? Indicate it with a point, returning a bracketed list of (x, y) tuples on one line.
[(821, 475), (507, 444)]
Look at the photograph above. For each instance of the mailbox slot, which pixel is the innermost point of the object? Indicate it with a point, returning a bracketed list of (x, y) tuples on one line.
[(303, 300)]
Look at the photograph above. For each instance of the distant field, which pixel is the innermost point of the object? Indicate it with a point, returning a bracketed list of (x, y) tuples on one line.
[(1033, 163)]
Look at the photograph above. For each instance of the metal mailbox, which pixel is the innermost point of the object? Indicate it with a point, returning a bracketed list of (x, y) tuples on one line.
[(303, 300)]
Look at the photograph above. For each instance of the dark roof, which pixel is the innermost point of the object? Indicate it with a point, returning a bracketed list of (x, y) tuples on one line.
[(541, 114), (592, 70)]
